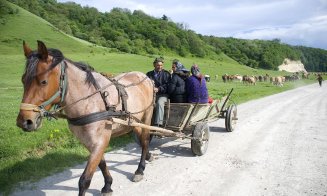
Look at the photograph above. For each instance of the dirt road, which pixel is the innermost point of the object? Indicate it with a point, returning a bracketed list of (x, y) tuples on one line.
[(279, 147)]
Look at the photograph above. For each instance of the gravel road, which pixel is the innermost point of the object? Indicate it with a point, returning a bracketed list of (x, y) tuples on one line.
[(279, 147)]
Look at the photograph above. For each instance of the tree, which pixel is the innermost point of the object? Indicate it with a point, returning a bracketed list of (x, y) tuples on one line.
[(164, 17), (140, 33), (173, 42)]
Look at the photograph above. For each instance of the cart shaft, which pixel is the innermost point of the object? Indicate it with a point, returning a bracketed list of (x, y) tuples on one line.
[(136, 124)]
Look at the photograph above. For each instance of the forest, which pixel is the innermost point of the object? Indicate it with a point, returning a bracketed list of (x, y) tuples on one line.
[(138, 33)]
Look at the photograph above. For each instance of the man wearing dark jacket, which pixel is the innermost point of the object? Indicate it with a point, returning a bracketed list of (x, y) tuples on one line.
[(176, 87), (161, 80)]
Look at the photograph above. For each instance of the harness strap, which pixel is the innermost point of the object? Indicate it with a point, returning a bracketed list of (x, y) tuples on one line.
[(111, 112), (122, 94), (103, 94), (49, 101), (62, 87), (94, 117), (104, 87), (63, 81)]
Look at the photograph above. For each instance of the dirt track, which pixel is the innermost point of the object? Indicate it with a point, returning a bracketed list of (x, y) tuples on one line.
[(279, 147)]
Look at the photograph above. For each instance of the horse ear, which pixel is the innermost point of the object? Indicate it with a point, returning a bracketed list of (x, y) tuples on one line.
[(42, 50), (27, 50)]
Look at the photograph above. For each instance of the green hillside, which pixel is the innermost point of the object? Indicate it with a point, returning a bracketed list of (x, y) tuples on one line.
[(31, 156), (28, 27), (138, 33)]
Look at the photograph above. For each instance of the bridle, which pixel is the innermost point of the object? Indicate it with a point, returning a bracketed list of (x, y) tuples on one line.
[(61, 92)]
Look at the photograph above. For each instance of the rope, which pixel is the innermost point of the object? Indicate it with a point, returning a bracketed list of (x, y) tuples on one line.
[(29, 107), (104, 87)]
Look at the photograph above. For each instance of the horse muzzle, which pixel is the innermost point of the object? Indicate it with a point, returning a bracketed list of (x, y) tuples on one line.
[(30, 123), (29, 119)]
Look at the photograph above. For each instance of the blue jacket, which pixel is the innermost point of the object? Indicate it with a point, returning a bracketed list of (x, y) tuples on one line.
[(197, 91)]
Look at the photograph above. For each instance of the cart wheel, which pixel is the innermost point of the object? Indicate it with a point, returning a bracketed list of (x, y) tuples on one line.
[(231, 116), (137, 139), (200, 142)]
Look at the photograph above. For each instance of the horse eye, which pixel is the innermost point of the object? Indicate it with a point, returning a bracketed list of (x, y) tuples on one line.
[(44, 82)]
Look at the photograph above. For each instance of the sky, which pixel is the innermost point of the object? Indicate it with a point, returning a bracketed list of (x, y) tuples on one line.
[(294, 22)]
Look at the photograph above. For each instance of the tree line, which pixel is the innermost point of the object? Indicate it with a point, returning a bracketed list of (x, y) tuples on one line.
[(138, 33)]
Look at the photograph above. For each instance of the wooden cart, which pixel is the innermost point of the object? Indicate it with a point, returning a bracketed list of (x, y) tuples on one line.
[(186, 120)]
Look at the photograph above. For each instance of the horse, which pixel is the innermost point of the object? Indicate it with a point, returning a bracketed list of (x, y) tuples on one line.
[(88, 100)]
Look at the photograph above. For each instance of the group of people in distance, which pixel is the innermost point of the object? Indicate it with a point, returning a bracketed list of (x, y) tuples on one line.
[(180, 86)]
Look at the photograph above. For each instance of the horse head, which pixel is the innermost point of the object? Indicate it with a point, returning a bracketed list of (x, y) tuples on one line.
[(42, 85)]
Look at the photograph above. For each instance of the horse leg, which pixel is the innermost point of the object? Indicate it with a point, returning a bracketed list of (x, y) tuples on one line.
[(147, 120), (94, 160), (85, 179), (146, 155), (106, 190), (138, 131), (144, 139)]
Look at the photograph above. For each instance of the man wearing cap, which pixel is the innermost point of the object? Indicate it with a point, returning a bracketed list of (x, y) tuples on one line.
[(176, 87), (161, 80)]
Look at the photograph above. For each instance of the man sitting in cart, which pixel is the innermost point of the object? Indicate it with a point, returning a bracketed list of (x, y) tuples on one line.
[(161, 80), (176, 87), (196, 87)]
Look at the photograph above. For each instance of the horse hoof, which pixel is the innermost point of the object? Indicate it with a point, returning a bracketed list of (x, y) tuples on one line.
[(106, 194), (137, 178)]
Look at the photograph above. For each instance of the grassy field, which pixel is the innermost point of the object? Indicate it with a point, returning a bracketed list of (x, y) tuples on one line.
[(27, 157)]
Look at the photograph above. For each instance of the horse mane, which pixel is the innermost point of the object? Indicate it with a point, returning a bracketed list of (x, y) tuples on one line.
[(33, 59), (87, 68)]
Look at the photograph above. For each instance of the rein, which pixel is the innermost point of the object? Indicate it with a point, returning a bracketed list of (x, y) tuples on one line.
[(92, 117), (100, 90), (110, 110)]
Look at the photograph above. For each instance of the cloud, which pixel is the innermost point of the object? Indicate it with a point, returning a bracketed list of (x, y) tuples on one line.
[(310, 32)]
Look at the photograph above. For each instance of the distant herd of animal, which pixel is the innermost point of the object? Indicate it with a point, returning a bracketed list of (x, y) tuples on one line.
[(252, 80)]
